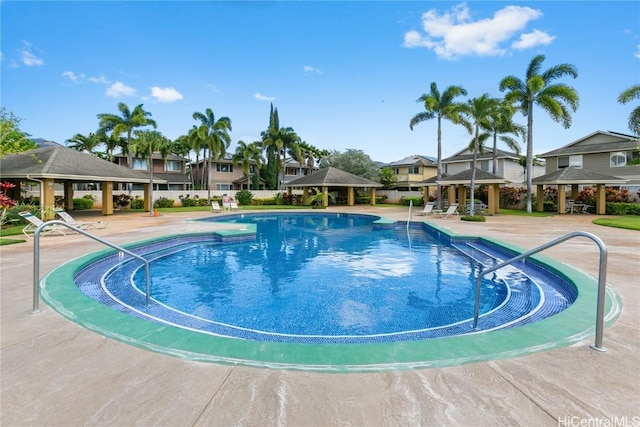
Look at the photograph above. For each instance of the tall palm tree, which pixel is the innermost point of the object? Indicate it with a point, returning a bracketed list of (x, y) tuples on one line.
[(246, 154), (280, 142), (182, 148), (538, 88), (146, 143), (499, 126), (629, 95), (439, 106), (215, 138), (126, 122), (477, 112), (87, 143)]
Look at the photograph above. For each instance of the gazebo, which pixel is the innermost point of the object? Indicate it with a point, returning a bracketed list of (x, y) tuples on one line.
[(327, 178), (57, 164), (461, 180), (574, 177)]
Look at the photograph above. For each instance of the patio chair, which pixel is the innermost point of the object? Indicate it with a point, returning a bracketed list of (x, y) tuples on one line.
[(66, 217), (215, 207), (35, 222), (233, 206), (428, 208), (226, 206), (451, 211)]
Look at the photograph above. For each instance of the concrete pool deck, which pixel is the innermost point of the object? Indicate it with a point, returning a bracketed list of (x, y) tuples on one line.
[(54, 372)]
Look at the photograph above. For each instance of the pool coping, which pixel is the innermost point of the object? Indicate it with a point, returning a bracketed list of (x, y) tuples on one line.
[(575, 324)]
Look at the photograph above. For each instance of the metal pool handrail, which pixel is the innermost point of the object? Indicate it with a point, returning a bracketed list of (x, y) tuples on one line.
[(602, 280), (36, 259)]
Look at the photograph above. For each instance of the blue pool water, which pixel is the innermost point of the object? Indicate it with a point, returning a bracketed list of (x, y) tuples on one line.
[(320, 278)]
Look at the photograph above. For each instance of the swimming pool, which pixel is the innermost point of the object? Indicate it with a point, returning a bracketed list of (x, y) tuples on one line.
[(306, 242)]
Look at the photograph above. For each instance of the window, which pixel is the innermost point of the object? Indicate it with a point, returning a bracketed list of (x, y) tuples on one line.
[(172, 166), (140, 164), (223, 186), (224, 168), (622, 158), (485, 165), (414, 170), (396, 171), (573, 161), (252, 169)]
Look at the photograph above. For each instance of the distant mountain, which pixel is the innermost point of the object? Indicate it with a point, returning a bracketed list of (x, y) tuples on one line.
[(41, 142)]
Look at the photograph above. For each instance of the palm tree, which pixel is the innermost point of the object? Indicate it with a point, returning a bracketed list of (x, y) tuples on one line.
[(86, 143), (499, 126), (439, 106), (214, 137), (126, 123), (146, 143), (182, 148), (281, 141), (246, 154), (478, 112), (634, 118), (539, 88)]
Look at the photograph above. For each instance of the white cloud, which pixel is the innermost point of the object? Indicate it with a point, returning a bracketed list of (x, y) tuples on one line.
[(310, 69), (165, 94), (212, 87), (73, 76), (261, 97), (100, 79), (529, 40), (27, 57), (119, 89), (637, 54), (454, 34)]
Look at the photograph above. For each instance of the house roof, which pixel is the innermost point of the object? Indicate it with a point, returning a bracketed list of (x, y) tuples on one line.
[(332, 177), (611, 141), (62, 163), (481, 177), (433, 179), (488, 154), (572, 175), (415, 160)]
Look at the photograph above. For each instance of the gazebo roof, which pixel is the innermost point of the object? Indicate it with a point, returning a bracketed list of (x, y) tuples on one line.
[(62, 163), (572, 175), (433, 179), (464, 177), (332, 177)]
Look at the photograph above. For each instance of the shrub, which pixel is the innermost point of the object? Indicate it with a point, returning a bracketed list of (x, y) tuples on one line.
[(405, 201), (614, 208), (244, 197), (137, 203), (264, 202), (510, 196), (204, 202), (474, 218), (163, 202), (83, 203), (186, 201)]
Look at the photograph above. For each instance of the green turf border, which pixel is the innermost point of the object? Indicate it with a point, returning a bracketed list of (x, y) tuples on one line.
[(575, 324)]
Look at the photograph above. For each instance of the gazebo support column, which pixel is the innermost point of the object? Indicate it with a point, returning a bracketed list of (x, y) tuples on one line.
[(574, 191), (351, 198), (305, 195), (425, 195), (540, 198), (561, 199), (68, 195), (451, 194), (325, 197), (372, 195), (49, 199), (107, 198), (147, 198), (462, 196), (601, 201), (492, 199)]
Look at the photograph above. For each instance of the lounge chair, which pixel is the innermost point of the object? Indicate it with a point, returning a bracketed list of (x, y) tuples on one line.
[(426, 211), (233, 206), (451, 211), (215, 207), (66, 217), (226, 206), (35, 222)]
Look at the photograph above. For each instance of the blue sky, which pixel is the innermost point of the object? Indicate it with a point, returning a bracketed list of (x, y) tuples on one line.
[(342, 74)]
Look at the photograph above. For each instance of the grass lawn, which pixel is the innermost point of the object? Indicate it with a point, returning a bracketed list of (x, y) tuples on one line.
[(16, 230), (524, 213), (629, 222)]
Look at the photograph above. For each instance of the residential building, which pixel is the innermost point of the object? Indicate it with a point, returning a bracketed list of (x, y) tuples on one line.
[(607, 153), (172, 169), (412, 170), (508, 164)]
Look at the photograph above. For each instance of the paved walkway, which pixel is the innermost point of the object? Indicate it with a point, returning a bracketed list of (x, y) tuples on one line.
[(55, 373)]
